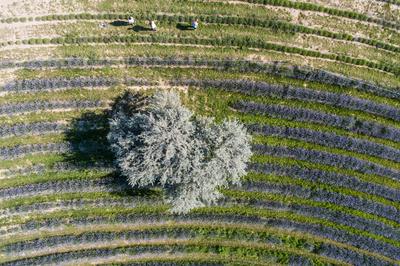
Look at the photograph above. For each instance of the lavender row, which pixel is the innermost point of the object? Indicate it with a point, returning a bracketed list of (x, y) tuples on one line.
[(71, 205), (276, 67), (131, 236), (71, 256), (337, 217), (59, 167), (326, 158), (328, 139), (306, 115), (62, 82), (199, 218), (98, 185), (36, 106), (257, 88), (325, 196), (332, 250), (84, 147), (337, 235), (31, 129), (157, 250), (243, 86), (290, 92), (10, 153), (105, 237), (39, 128)]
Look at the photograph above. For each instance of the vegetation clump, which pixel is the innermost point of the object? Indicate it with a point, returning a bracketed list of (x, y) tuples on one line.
[(159, 142)]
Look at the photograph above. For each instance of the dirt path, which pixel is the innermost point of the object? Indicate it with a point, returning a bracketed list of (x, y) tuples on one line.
[(368, 7), (295, 12), (29, 8), (29, 30)]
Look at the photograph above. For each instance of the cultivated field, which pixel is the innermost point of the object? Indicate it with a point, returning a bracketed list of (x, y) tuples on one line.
[(317, 83)]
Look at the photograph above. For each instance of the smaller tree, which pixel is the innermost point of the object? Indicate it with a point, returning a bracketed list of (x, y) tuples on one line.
[(157, 141)]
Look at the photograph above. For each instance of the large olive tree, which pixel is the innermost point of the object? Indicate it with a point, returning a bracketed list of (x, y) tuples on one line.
[(159, 142)]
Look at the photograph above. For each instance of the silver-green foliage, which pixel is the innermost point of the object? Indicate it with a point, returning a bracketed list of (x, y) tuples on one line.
[(157, 141)]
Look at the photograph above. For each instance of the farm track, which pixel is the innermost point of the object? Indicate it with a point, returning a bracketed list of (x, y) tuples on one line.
[(224, 20)]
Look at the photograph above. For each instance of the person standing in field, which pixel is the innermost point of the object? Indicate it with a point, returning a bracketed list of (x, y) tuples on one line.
[(153, 25), (131, 21), (195, 24)]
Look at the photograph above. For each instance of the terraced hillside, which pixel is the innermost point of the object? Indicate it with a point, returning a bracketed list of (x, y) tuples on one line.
[(316, 82)]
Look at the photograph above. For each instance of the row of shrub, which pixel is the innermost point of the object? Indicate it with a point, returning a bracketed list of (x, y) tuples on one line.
[(328, 10), (40, 128), (262, 194), (242, 86), (253, 196), (328, 139), (219, 215), (68, 205), (306, 115), (289, 92), (38, 168), (276, 68), (175, 232), (24, 107), (259, 253), (303, 189), (9, 153), (44, 188), (247, 87), (227, 41), (141, 16), (78, 82), (332, 159), (382, 245), (246, 21)]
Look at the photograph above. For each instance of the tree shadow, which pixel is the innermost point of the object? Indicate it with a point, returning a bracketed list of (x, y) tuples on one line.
[(119, 23), (87, 137), (184, 26), (138, 28)]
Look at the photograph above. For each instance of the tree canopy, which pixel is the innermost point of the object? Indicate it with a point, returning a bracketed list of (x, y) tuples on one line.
[(159, 142)]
